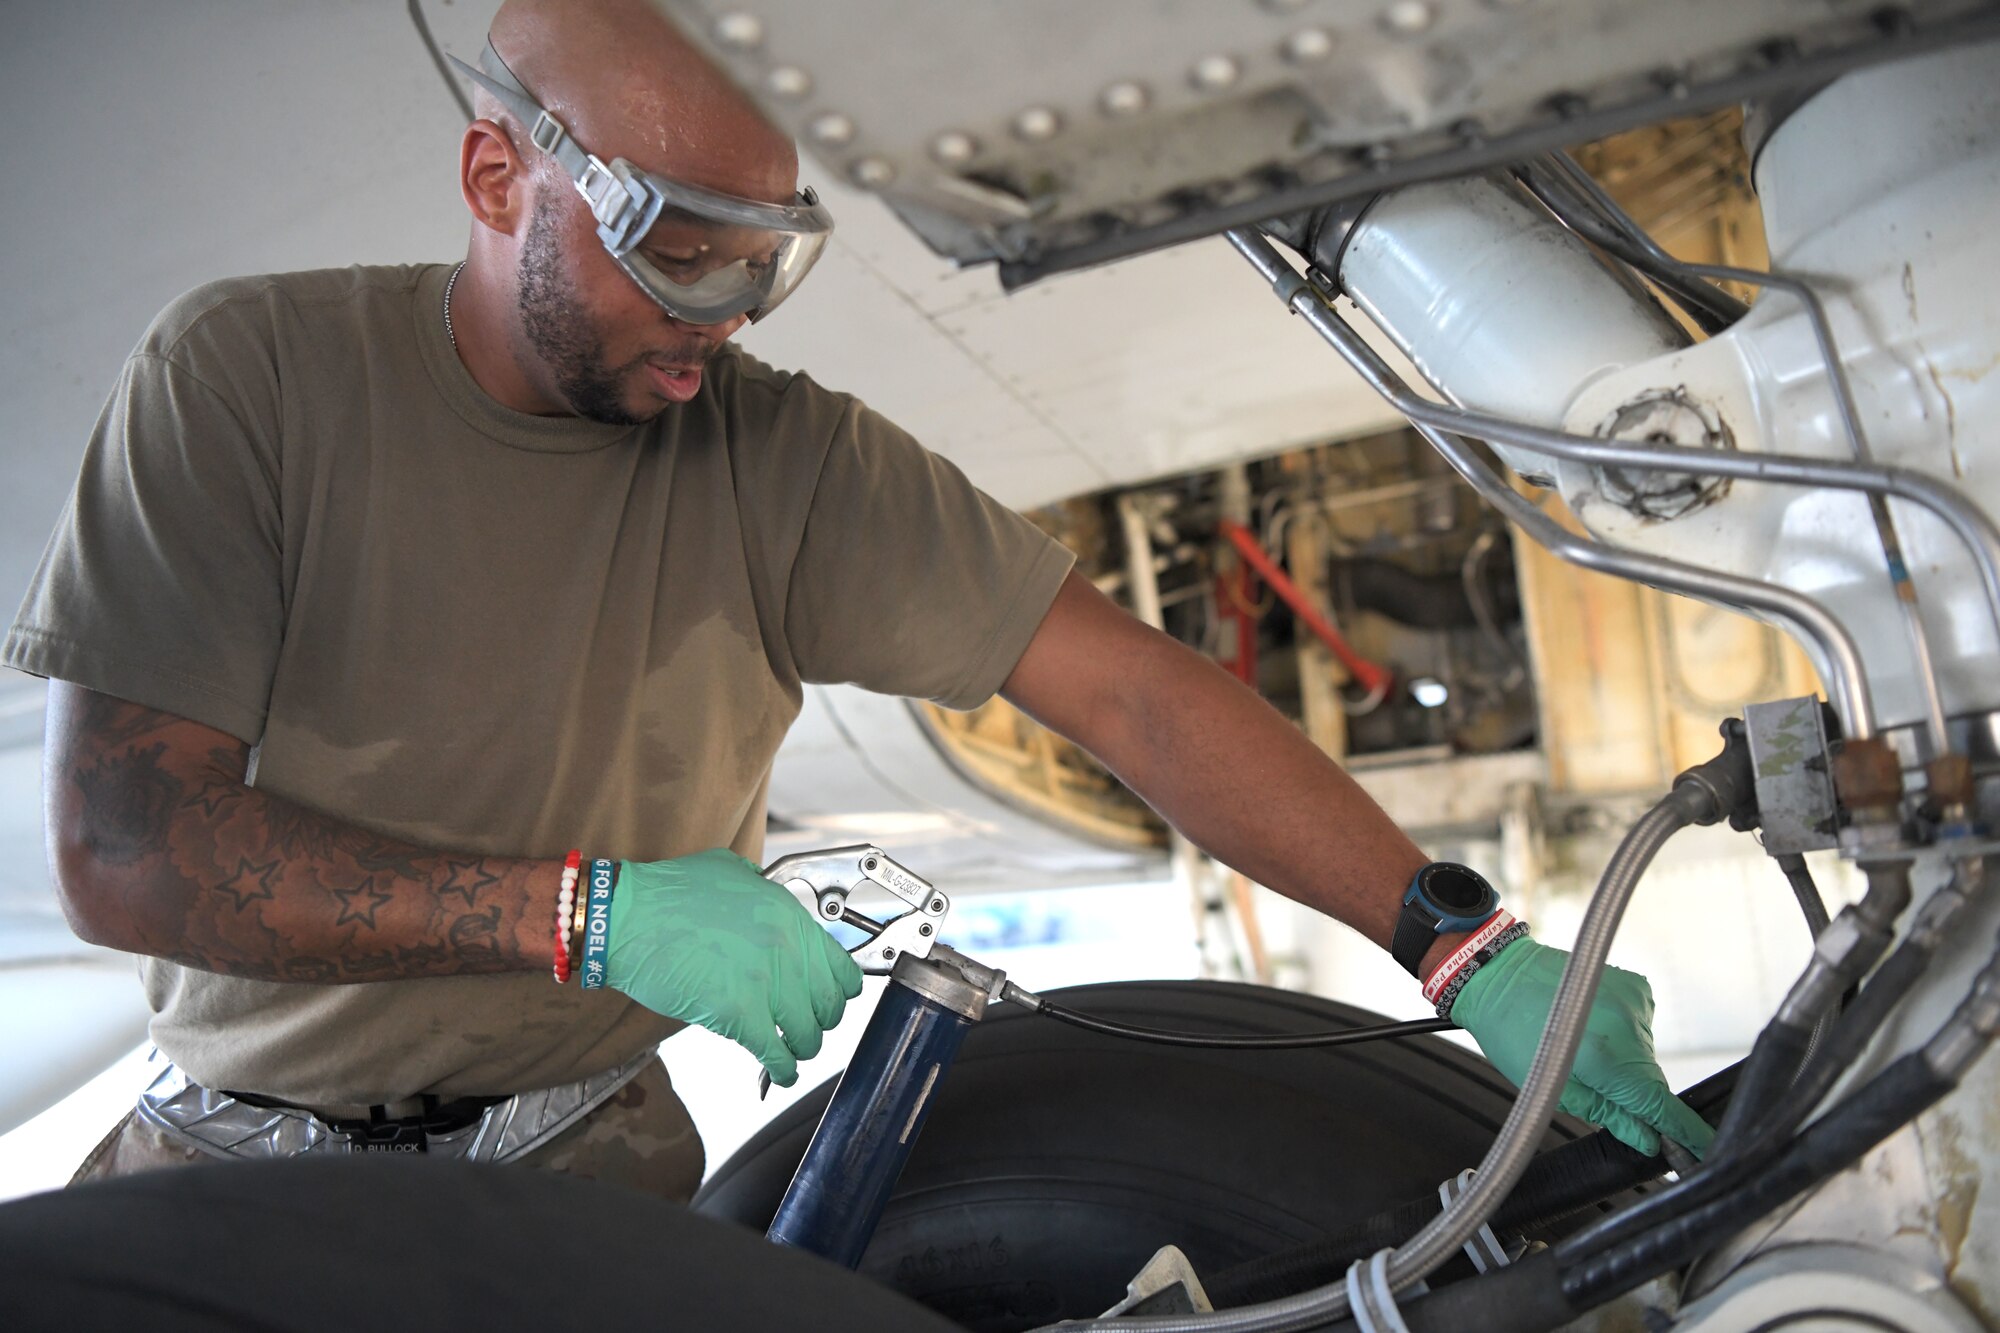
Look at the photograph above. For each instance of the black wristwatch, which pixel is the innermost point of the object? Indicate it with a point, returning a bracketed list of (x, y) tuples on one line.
[(1444, 897)]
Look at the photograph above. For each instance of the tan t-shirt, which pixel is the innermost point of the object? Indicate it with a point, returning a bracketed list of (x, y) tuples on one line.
[(301, 522)]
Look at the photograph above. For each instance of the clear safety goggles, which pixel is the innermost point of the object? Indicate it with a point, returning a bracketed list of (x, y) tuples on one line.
[(706, 257)]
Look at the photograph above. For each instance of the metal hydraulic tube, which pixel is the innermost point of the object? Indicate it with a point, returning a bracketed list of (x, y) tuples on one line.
[(1836, 653), (1834, 648), (1497, 306), (1467, 277), (863, 1141), (1510, 315)]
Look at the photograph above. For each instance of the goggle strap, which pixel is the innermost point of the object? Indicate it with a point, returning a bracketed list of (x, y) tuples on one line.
[(612, 200), (626, 203)]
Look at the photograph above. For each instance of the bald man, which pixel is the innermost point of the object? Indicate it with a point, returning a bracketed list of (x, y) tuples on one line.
[(393, 601)]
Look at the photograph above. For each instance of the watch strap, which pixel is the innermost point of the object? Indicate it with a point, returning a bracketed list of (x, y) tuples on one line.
[(1415, 930), (1443, 896)]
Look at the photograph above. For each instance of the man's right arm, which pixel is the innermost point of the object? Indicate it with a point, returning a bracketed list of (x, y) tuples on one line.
[(159, 847)]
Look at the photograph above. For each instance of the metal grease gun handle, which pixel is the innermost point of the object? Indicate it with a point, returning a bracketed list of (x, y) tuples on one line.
[(822, 881)]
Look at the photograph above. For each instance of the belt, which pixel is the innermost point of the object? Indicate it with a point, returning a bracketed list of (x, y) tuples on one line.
[(472, 1129), (404, 1126), (446, 1114)]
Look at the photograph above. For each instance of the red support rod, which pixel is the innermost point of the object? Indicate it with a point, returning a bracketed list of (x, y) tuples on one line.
[(1233, 596), (1370, 675)]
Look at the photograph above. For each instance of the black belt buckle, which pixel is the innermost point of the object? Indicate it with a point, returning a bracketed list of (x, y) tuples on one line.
[(401, 1136)]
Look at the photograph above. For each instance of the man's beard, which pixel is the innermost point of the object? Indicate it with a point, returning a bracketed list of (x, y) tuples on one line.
[(564, 335)]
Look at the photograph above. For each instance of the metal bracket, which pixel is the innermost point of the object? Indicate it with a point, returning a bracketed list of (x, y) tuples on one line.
[(1166, 1285), (1789, 756)]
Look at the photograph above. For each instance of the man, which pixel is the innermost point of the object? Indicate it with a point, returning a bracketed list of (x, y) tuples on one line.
[(383, 589)]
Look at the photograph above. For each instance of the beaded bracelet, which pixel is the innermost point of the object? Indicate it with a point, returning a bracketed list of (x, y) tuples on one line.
[(597, 922), (1456, 986), (565, 908)]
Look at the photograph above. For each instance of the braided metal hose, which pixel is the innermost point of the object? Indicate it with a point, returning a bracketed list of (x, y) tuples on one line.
[(1519, 1136)]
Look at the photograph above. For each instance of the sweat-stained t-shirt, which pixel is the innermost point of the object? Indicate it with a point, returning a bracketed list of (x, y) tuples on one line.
[(301, 522)]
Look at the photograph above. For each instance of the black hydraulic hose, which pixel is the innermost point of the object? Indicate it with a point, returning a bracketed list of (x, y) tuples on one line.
[(1736, 1157), (1543, 1291), (1524, 1297), (1844, 1044), (1788, 1039), (1831, 1144), (1732, 1162), (1548, 1289), (1774, 1061), (1799, 874), (1813, 907), (1711, 308), (1576, 1175), (1781, 1051), (1223, 1041)]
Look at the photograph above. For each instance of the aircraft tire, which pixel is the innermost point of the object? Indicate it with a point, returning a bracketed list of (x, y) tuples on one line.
[(1056, 1161)]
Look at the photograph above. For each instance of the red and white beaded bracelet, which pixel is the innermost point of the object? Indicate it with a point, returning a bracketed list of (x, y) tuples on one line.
[(565, 910)]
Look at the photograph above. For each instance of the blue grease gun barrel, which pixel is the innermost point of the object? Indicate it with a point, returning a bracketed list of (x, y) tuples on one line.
[(857, 1154)]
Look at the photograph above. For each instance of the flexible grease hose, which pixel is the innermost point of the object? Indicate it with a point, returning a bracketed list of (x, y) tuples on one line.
[(1282, 1041), (1496, 1176)]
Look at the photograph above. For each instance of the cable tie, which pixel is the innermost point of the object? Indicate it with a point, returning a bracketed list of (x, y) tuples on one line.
[(1372, 1302), (1484, 1247)]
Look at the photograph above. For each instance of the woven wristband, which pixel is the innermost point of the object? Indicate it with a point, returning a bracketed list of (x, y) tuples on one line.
[(1456, 985), (597, 922)]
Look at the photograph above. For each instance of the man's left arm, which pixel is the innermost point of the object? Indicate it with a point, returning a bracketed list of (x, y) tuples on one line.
[(1246, 786), (1217, 761)]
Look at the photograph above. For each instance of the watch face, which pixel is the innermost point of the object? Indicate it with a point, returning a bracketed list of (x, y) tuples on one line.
[(1455, 889)]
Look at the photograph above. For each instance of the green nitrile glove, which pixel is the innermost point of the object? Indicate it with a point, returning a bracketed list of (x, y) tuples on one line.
[(1615, 1082), (707, 939)]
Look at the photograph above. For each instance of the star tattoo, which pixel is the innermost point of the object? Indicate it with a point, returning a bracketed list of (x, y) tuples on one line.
[(250, 882), (466, 880), (361, 902), (214, 794)]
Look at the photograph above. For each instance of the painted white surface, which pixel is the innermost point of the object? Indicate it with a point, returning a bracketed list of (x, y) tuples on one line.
[(1899, 242), (1505, 312), (858, 767)]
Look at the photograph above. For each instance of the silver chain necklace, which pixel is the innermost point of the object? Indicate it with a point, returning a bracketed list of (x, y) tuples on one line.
[(449, 284)]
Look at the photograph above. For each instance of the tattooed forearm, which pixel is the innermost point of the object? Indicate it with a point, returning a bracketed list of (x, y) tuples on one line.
[(161, 849), (132, 801), (116, 723)]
